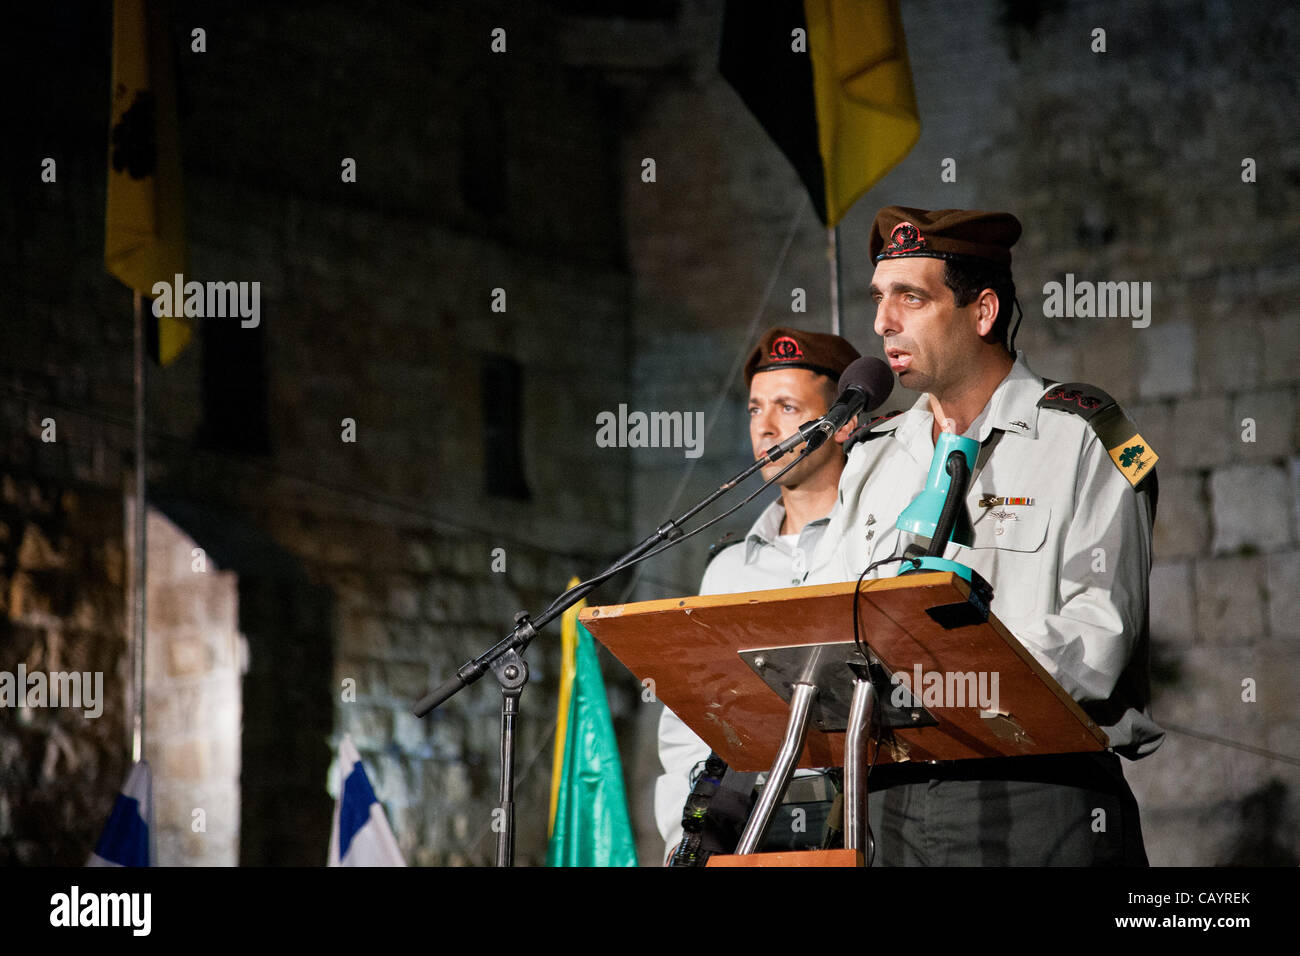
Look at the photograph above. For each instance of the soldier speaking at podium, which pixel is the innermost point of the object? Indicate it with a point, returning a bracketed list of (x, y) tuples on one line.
[(1061, 503)]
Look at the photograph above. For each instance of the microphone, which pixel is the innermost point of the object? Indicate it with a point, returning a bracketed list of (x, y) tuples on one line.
[(864, 386)]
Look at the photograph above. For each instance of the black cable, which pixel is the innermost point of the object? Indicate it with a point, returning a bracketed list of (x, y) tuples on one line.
[(875, 732), (875, 737), (857, 638), (1020, 315)]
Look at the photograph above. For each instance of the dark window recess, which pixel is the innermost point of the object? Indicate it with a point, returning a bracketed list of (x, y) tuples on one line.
[(503, 459), (234, 387), (483, 146)]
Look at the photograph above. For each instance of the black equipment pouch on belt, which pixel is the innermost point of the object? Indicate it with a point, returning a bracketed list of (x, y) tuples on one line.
[(715, 813)]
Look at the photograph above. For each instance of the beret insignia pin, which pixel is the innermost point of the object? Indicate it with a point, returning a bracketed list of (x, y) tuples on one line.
[(905, 237), (785, 349)]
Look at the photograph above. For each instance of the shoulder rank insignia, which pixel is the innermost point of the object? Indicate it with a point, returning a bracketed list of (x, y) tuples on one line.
[(865, 433), (1131, 453)]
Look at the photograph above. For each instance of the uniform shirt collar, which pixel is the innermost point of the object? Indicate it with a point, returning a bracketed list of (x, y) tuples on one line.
[(768, 528), (1012, 408), (1014, 405)]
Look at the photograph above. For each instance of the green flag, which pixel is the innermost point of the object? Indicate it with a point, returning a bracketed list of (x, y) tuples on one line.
[(591, 821)]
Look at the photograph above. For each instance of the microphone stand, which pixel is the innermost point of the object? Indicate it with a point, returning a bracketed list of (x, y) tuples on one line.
[(505, 658)]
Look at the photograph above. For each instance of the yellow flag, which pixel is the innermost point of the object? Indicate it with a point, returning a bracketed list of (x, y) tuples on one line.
[(144, 239), (568, 665), (867, 119)]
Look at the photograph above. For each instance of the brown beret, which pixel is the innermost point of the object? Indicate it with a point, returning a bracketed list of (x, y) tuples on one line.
[(959, 234), (819, 352)]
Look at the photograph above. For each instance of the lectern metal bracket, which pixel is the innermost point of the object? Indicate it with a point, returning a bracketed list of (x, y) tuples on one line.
[(832, 667)]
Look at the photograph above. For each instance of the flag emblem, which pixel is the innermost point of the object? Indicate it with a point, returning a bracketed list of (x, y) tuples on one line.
[(125, 839), (360, 835)]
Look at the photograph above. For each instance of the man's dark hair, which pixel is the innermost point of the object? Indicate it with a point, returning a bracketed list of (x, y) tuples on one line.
[(968, 279)]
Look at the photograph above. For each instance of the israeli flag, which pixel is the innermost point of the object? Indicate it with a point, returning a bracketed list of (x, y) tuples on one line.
[(125, 840), (360, 836)]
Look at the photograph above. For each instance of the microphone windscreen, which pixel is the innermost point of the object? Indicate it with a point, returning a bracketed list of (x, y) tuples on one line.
[(872, 376)]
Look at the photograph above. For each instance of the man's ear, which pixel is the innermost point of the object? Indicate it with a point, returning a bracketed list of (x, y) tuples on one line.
[(845, 430), (986, 312)]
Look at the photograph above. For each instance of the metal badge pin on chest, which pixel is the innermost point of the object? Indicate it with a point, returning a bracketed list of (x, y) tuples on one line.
[(991, 501), (1002, 514)]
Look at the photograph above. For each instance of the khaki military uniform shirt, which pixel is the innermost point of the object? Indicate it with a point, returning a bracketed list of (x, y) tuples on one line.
[(1060, 534)]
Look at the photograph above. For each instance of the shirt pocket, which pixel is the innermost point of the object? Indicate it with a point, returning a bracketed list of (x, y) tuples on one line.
[(1014, 561), (1021, 529)]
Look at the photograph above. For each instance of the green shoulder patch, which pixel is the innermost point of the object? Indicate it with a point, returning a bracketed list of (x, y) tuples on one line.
[(1131, 453)]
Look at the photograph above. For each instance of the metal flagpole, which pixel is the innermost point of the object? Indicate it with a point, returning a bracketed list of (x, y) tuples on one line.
[(138, 571), (833, 257)]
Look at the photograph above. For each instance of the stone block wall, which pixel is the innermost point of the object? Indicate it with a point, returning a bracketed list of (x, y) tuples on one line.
[(371, 561), (62, 582), (368, 561)]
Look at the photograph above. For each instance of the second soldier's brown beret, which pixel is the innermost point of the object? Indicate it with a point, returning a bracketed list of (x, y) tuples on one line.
[(783, 347)]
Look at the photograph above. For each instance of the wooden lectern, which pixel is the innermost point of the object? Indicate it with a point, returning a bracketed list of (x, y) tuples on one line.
[(772, 680)]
